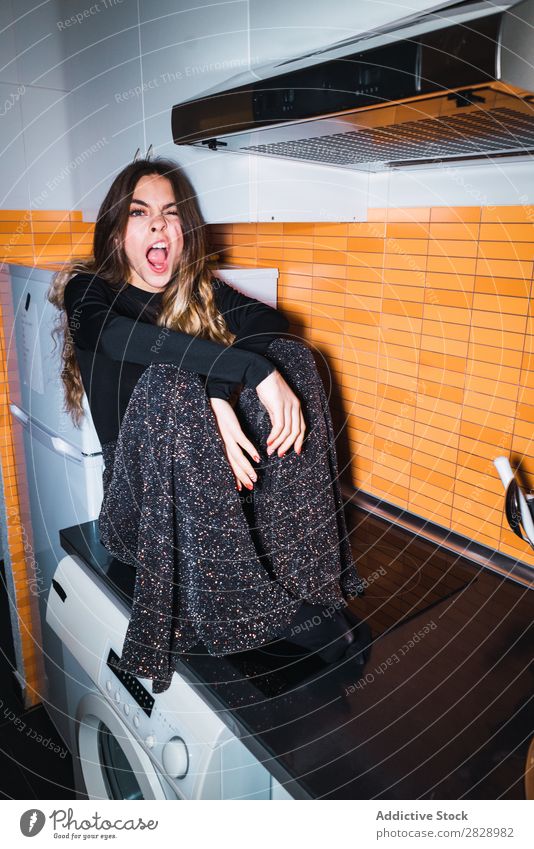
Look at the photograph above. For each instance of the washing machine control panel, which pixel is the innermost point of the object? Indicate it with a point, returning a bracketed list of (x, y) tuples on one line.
[(132, 684), (139, 711), (183, 736), (157, 730)]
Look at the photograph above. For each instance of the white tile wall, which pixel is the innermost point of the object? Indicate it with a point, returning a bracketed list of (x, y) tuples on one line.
[(47, 146), (187, 49), (14, 191), (100, 42), (31, 79), (187, 52), (102, 64), (8, 52), (38, 43)]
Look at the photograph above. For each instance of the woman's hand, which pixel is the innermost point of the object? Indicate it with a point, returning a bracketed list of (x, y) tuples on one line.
[(283, 406), (234, 440)]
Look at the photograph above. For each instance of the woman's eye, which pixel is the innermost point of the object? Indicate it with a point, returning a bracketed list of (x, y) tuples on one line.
[(134, 213)]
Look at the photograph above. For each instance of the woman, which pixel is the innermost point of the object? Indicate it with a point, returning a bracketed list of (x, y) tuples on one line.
[(189, 384)]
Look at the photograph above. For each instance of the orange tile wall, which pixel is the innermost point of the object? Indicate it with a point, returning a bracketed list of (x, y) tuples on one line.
[(423, 327), (425, 317)]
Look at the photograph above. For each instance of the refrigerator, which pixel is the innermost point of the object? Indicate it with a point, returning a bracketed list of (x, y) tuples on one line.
[(63, 463)]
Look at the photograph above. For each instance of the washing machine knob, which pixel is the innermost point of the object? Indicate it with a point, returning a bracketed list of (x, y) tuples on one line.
[(175, 758), (150, 741)]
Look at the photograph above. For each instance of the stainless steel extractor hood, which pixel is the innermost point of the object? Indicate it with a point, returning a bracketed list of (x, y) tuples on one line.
[(449, 93)]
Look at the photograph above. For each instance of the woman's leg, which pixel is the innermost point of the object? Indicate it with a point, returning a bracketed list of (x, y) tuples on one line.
[(298, 506), (298, 518), (171, 508)]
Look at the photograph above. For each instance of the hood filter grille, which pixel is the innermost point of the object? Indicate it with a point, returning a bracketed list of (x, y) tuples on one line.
[(479, 133)]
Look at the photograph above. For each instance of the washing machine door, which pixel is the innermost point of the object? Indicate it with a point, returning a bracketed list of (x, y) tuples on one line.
[(113, 764)]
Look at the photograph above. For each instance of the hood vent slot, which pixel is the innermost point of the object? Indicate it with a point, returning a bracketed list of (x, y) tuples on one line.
[(477, 133)]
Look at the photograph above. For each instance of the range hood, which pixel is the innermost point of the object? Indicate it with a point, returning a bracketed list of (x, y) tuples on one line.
[(452, 92)]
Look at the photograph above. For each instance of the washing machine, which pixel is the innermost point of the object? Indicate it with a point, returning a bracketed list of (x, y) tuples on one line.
[(129, 742)]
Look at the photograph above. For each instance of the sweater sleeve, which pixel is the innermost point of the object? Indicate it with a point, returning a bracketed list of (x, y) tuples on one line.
[(96, 326), (255, 324)]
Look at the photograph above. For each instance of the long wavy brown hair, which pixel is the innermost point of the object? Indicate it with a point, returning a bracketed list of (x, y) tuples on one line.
[(188, 303)]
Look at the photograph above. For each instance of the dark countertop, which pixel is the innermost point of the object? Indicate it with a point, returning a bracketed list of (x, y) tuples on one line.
[(442, 709)]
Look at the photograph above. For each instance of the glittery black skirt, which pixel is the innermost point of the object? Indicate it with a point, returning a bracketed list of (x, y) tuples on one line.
[(213, 565)]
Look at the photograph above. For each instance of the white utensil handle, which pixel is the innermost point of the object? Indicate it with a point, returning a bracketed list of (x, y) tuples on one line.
[(502, 464), (506, 474)]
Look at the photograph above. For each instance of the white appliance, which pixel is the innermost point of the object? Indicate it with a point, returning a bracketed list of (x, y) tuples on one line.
[(63, 463), (129, 743), (259, 283)]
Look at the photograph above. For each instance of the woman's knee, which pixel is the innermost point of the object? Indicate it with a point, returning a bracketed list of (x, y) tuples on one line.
[(295, 361), (166, 394), (282, 343), (290, 351), (169, 379)]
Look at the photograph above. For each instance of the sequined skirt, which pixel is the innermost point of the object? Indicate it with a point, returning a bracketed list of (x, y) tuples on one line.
[(215, 566)]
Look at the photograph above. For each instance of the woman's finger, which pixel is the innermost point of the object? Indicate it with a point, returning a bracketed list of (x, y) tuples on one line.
[(279, 400), (297, 423), (283, 434), (300, 438), (245, 443), (241, 467), (276, 431), (294, 432), (233, 438)]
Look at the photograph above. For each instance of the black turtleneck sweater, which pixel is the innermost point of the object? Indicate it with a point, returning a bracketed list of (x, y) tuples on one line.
[(115, 338)]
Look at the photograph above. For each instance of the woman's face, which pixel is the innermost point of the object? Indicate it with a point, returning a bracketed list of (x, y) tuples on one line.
[(153, 241)]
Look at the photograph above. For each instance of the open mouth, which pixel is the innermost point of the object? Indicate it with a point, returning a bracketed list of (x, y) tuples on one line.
[(157, 257)]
